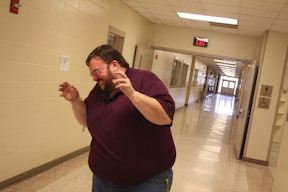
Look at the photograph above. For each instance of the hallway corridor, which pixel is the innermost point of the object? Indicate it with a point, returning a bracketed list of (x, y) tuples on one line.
[(205, 161)]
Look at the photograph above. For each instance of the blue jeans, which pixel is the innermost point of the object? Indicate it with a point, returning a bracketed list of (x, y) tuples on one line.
[(159, 183)]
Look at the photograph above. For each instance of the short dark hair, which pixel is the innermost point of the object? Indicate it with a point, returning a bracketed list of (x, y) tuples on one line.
[(107, 53)]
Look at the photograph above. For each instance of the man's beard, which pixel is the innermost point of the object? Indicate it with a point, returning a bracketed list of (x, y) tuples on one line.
[(109, 86)]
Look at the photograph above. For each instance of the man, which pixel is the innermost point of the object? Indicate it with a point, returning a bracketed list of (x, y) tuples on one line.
[(128, 113)]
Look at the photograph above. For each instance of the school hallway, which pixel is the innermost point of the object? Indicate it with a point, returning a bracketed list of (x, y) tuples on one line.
[(203, 134)]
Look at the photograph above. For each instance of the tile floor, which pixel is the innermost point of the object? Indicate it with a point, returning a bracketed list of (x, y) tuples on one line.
[(205, 161)]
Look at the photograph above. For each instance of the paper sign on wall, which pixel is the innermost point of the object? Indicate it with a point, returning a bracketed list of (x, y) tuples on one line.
[(65, 62)]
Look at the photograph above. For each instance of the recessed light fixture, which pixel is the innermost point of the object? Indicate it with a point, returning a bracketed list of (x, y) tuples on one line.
[(208, 18), (225, 61), (226, 65)]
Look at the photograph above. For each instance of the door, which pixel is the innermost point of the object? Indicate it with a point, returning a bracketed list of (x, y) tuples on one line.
[(143, 58), (116, 38), (247, 86), (228, 87)]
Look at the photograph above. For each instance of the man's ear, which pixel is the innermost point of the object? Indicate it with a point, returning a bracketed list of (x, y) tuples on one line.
[(115, 65)]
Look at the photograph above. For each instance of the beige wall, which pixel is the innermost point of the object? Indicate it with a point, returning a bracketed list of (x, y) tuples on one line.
[(162, 62), (38, 126), (162, 67), (270, 73), (196, 89), (281, 173), (222, 44)]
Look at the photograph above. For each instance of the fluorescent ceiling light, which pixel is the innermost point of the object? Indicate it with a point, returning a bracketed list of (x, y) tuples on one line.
[(226, 65), (225, 61), (208, 18), (227, 69)]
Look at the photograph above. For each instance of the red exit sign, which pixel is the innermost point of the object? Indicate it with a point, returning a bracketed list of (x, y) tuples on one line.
[(200, 42)]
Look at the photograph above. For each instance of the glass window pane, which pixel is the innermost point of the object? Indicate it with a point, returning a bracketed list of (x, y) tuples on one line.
[(231, 85), (175, 73), (225, 84)]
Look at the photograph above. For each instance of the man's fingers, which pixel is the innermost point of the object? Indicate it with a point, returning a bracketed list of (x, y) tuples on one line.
[(64, 84), (120, 81), (121, 73)]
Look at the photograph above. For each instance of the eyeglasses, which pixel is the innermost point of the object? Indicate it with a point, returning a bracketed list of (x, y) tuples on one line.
[(96, 72)]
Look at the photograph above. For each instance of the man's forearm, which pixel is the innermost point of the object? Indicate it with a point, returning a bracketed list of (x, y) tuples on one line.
[(150, 108), (79, 110)]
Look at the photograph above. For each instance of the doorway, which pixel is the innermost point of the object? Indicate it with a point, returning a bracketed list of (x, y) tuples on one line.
[(116, 38), (247, 87), (228, 87)]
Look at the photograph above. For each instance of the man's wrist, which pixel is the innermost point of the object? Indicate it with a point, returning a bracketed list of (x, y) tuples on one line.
[(76, 100)]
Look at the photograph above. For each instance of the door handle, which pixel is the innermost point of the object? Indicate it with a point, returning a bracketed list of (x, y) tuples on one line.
[(240, 112)]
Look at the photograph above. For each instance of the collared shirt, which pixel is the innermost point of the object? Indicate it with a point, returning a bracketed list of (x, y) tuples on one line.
[(126, 148)]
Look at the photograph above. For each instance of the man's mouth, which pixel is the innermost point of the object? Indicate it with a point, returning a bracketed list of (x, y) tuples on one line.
[(101, 83)]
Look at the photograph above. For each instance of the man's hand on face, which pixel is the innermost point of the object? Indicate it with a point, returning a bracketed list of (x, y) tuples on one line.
[(123, 83)]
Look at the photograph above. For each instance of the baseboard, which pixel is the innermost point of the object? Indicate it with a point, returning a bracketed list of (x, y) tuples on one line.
[(260, 162), (41, 168)]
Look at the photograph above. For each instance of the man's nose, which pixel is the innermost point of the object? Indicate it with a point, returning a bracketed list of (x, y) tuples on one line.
[(95, 78)]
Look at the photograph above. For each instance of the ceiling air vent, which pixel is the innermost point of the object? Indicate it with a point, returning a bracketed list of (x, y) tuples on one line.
[(224, 25)]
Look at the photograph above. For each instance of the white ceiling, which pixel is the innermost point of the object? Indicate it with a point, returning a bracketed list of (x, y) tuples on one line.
[(254, 16)]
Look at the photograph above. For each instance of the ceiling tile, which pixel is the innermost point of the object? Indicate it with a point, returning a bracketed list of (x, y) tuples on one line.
[(222, 2), (281, 22), (258, 12), (155, 6), (250, 33), (256, 19), (152, 1), (222, 14), (283, 16), (188, 10), (162, 13), (143, 12), (268, 6), (132, 3), (194, 5), (250, 24), (285, 9), (221, 8), (181, 2), (273, 1), (280, 28)]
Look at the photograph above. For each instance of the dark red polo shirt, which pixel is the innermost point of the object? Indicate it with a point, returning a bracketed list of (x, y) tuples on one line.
[(126, 149)]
